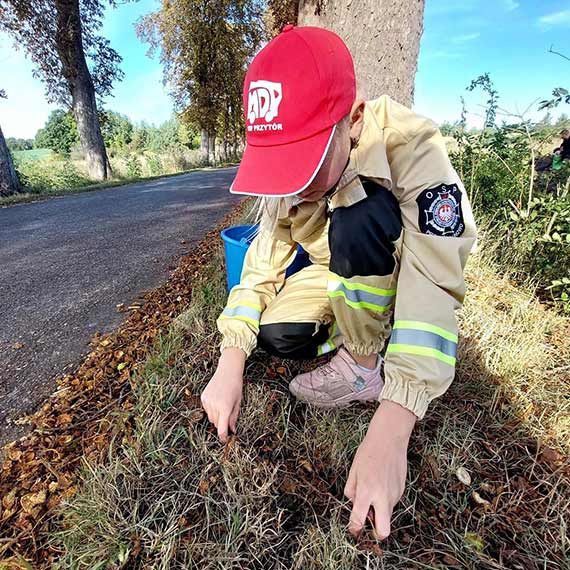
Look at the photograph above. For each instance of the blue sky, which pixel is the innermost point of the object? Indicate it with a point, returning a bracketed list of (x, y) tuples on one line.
[(462, 39)]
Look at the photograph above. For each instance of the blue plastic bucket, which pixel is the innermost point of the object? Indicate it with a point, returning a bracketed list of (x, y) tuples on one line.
[(237, 239)]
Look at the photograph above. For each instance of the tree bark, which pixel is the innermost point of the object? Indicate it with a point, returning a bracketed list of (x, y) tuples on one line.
[(84, 105), (9, 183), (208, 145), (383, 37), (205, 144)]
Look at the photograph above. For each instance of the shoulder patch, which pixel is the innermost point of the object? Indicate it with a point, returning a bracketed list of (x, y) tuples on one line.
[(440, 211)]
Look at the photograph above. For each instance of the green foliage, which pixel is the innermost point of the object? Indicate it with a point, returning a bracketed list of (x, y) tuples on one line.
[(117, 130), (16, 145), (59, 133), (155, 165), (529, 212), (164, 137), (559, 95), (46, 176), (205, 48), (133, 165)]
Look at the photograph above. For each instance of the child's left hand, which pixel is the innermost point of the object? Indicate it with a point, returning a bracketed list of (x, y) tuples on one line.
[(378, 474)]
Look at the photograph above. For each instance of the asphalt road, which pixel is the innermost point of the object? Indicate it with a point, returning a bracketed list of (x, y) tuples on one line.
[(66, 262)]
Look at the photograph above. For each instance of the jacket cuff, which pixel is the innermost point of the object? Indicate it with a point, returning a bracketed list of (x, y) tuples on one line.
[(237, 341), (364, 349), (407, 395)]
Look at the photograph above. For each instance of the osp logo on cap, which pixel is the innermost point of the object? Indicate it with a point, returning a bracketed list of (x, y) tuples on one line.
[(296, 89), (263, 103)]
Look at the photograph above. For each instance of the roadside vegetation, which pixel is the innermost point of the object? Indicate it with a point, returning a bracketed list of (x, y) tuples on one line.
[(526, 209), (52, 163)]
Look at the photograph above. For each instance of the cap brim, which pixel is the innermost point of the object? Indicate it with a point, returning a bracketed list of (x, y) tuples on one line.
[(281, 170)]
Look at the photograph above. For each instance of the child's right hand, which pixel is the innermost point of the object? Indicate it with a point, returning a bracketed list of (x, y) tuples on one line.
[(221, 399)]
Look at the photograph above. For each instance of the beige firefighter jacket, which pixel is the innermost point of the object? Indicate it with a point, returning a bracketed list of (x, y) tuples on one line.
[(414, 306)]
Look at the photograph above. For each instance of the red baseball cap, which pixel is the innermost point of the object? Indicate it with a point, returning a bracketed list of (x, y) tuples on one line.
[(296, 89)]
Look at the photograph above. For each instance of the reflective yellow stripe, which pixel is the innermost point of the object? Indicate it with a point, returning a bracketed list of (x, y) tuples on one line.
[(244, 304), (326, 348), (242, 318), (329, 345), (361, 286), (417, 325), (359, 304), (421, 351)]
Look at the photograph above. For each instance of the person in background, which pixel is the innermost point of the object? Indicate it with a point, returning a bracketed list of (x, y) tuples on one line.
[(564, 149)]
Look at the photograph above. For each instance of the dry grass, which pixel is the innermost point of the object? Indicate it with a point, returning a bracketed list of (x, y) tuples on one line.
[(171, 496)]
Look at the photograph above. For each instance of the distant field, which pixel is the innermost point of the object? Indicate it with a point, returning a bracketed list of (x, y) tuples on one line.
[(34, 154)]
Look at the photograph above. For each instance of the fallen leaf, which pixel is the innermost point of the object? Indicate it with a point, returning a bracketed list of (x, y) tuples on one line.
[(281, 370), (18, 345), (9, 499), (14, 454), (480, 500), (64, 419), (32, 500), (306, 465), (475, 541), (121, 365), (463, 475), (549, 455)]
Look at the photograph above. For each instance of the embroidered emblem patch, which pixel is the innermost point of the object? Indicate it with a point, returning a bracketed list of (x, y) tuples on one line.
[(440, 211)]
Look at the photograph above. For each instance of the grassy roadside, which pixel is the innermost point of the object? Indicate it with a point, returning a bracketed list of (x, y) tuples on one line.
[(37, 197), (488, 480), (40, 470)]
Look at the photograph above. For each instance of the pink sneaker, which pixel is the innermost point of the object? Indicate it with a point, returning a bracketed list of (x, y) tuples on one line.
[(338, 383)]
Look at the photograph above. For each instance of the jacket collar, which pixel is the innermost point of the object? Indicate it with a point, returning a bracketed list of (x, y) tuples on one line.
[(368, 160)]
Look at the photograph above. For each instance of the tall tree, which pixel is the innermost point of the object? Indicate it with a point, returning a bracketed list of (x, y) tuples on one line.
[(9, 183), (382, 35), (205, 46), (60, 36)]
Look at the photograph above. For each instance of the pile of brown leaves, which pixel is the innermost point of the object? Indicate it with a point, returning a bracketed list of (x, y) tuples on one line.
[(89, 409)]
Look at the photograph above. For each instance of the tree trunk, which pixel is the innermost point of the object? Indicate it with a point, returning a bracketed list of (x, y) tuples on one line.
[(212, 157), (9, 183), (70, 50), (383, 37), (205, 144)]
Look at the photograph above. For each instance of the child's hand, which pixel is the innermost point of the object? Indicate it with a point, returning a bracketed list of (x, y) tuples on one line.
[(378, 473), (221, 399)]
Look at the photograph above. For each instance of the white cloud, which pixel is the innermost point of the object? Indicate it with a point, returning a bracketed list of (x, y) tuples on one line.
[(465, 38), (561, 18), (511, 5)]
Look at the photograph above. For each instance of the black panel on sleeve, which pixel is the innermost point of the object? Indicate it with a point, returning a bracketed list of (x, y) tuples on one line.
[(362, 236)]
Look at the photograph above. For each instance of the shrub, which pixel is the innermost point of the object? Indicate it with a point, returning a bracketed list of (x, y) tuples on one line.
[(39, 176), (133, 166)]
